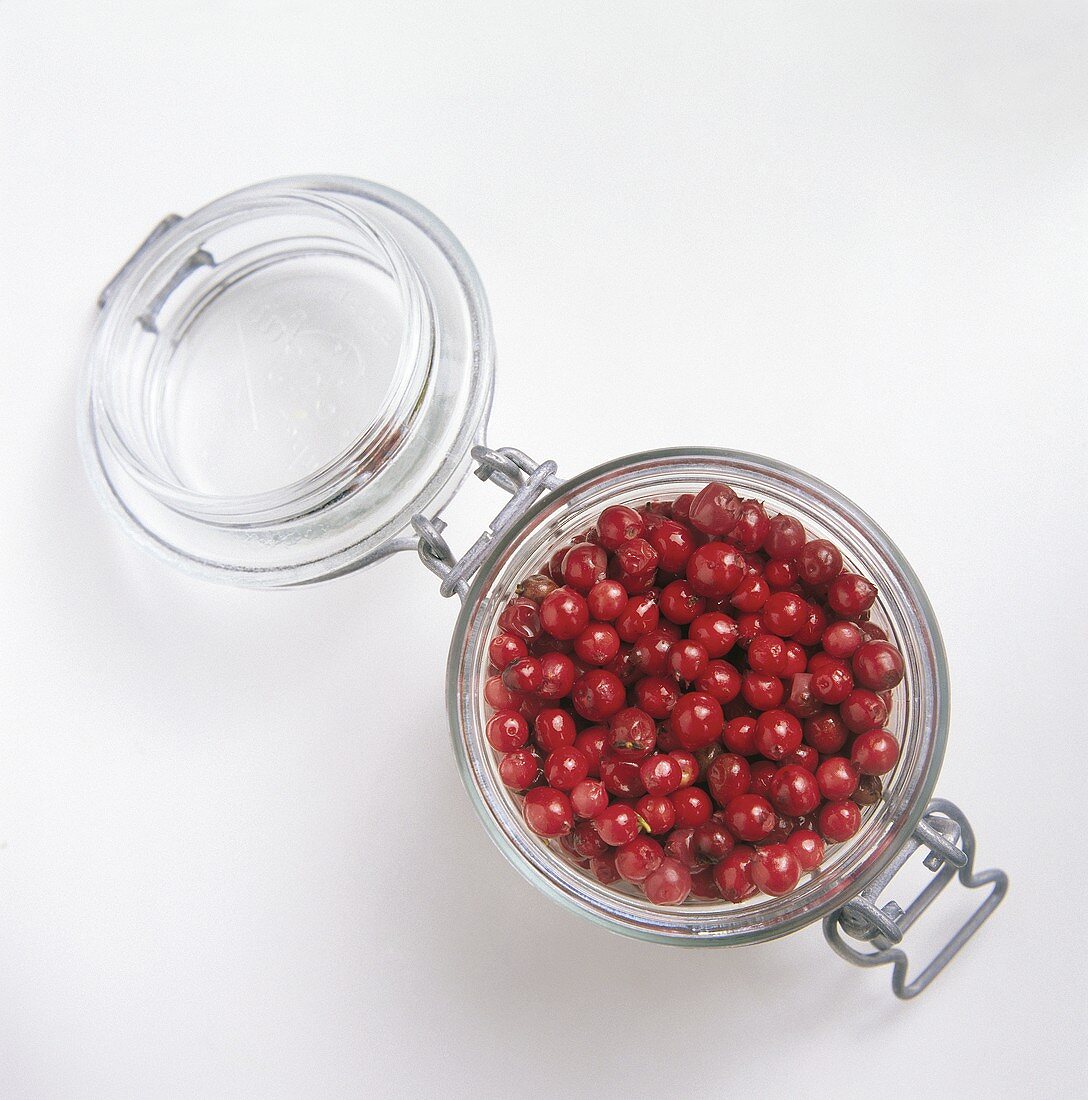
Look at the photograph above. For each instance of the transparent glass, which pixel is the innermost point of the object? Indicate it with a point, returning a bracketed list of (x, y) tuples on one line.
[(278, 382), (919, 718)]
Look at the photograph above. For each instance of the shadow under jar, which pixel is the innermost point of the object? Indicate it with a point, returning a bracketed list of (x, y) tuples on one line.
[(292, 383)]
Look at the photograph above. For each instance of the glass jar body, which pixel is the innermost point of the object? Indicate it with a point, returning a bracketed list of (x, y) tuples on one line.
[(919, 718)]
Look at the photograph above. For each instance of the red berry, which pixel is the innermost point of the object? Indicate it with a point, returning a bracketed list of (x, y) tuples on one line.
[(703, 885), (715, 632), (564, 613), (794, 659), (767, 653), (633, 734), (778, 734), (617, 525), (661, 774), (863, 710), (586, 841), (720, 680), (670, 884), (751, 594), (673, 543), (779, 575), (588, 797), (833, 683), (818, 563), (715, 509), (692, 806), (598, 695), (507, 730), (808, 848), (525, 675), (597, 645), (559, 674), (849, 595), (650, 654), (519, 769), (841, 639), (680, 845), (732, 875), (621, 776), (499, 696), (636, 558), (553, 729), (813, 624), (801, 702), (794, 791), (739, 735), (584, 565), (878, 665), (875, 752), (783, 613), (657, 696), (680, 603), (592, 742), (750, 817), (839, 821), (638, 859), (657, 811), (775, 870), (687, 660), (640, 616), (696, 720), (548, 812), (712, 841), (762, 690), (728, 776), (752, 526), (506, 648), (606, 599), (837, 778), (715, 569), (605, 868), (566, 768), (689, 766), (805, 756), (522, 618), (617, 824), (785, 538)]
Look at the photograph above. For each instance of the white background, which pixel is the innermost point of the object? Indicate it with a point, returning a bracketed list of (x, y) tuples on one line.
[(235, 856)]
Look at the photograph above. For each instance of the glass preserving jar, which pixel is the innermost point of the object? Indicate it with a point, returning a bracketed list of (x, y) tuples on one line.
[(292, 383)]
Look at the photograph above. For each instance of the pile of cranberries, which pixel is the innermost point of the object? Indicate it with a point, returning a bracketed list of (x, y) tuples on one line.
[(692, 699)]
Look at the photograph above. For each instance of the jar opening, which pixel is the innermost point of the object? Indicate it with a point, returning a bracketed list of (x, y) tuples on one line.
[(272, 367)]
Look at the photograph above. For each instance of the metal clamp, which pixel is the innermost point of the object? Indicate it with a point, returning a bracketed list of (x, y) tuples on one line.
[(947, 834), (511, 470)]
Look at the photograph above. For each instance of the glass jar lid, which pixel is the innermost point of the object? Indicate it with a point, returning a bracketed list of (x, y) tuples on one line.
[(279, 381)]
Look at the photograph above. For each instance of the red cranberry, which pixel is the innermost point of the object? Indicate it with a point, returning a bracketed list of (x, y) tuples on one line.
[(692, 806), (808, 848), (779, 575), (522, 618), (674, 545), (751, 594), (794, 659), (553, 729), (680, 604), (638, 859), (732, 875), (778, 734), (636, 558), (650, 654), (606, 599), (524, 675), (761, 690), (639, 617), (839, 820), (657, 696), (801, 702), (767, 653), (588, 797), (592, 742), (715, 632), (785, 538), (712, 841), (794, 791), (878, 665), (565, 768), (837, 778), (720, 680), (680, 845), (863, 710), (752, 526), (548, 812), (583, 566), (825, 731), (564, 613), (687, 661), (841, 639), (715, 569), (604, 869), (670, 884), (775, 870), (657, 811), (833, 683), (498, 696), (507, 730), (617, 824), (618, 525), (598, 695), (763, 773), (597, 645), (689, 766), (696, 720), (819, 563), (728, 776), (660, 774), (703, 885), (559, 674), (633, 734), (849, 595), (875, 752), (813, 623), (504, 649), (783, 613), (519, 769), (586, 841), (715, 509), (750, 817), (804, 756), (739, 736), (749, 626), (621, 776)]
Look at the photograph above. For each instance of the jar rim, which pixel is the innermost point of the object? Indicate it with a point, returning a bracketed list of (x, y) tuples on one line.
[(883, 833)]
